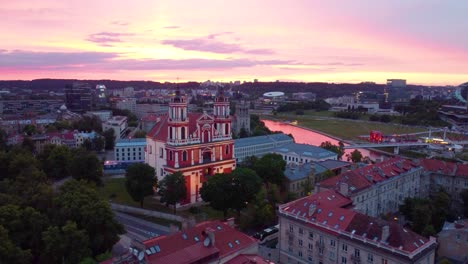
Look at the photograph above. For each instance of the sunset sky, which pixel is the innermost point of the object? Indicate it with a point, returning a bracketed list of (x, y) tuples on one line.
[(423, 41)]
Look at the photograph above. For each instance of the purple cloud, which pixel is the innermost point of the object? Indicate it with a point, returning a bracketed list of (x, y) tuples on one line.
[(59, 61), (33, 60), (107, 38), (209, 44)]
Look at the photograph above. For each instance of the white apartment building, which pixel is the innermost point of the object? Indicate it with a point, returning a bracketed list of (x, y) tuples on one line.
[(118, 123), (379, 188), (318, 229), (126, 104)]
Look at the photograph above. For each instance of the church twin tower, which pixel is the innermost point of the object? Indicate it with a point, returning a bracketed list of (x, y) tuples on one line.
[(196, 144)]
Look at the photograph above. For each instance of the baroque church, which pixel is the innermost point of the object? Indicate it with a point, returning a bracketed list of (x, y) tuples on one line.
[(196, 144)]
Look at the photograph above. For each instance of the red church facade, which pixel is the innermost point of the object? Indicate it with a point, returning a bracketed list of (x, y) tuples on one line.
[(196, 144)]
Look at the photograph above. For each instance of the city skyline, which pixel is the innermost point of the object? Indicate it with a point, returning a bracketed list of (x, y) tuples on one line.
[(331, 41)]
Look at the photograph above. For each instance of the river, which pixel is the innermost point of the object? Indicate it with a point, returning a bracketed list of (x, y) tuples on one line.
[(305, 136)]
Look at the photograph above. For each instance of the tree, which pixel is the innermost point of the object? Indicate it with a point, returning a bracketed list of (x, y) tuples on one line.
[(86, 166), (464, 196), (67, 244), (57, 161), (271, 168), (247, 184), (172, 189), (139, 134), (355, 156), (9, 252), (140, 180), (231, 191), (109, 138), (78, 201), (3, 140), (87, 144), (99, 143), (243, 133), (334, 148), (29, 130), (219, 191), (249, 162)]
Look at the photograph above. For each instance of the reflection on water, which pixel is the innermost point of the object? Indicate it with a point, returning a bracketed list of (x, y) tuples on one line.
[(305, 136)]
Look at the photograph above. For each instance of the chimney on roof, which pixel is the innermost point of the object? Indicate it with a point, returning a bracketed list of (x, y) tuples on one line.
[(230, 222), (211, 235), (385, 233), (312, 208), (344, 188)]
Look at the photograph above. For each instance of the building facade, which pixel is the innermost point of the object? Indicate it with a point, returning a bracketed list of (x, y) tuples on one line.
[(319, 229), (19, 107), (379, 188), (449, 176), (196, 144), (453, 241), (304, 153), (78, 97), (119, 124), (242, 120), (130, 150), (260, 145)]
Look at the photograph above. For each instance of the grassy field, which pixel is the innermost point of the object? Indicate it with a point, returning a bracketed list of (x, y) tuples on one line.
[(345, 129), (114, 190)]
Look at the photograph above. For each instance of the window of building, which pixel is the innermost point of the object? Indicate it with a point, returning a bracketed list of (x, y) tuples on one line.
[(384, 261), (170, 155), (344, 247), (291, 228), (301, 231), (227, 150), (344, 260), (331, 255), (320, 251), (370, 257), (299, 241), (311, 235), (357, 253), (332, 243), (161, 152), (311, 247), (299, 253), (184, 155)]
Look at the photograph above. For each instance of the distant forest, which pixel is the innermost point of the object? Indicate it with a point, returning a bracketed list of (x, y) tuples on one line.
[(255, 89)]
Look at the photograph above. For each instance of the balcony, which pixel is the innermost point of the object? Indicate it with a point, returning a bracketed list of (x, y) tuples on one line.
[(221, 137), (181, 142)]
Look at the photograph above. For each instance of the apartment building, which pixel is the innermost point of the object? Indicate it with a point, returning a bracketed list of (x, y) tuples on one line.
[(379, 188), (321, 229)]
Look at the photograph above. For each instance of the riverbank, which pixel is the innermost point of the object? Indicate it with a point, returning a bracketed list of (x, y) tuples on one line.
[(349, 142), (301, 135), (344, 129)]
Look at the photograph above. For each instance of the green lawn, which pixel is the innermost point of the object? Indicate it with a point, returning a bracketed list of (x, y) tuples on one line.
[(346, 129), (114, 190)]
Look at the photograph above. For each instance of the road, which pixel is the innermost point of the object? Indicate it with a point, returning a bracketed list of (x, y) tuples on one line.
[(140, 229)]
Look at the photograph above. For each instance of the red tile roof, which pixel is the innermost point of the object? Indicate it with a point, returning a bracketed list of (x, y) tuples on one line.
[(187, 246), (159, 131), (444, 167), (399, 237), (326, 211), (248, 259), (367, 176)]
